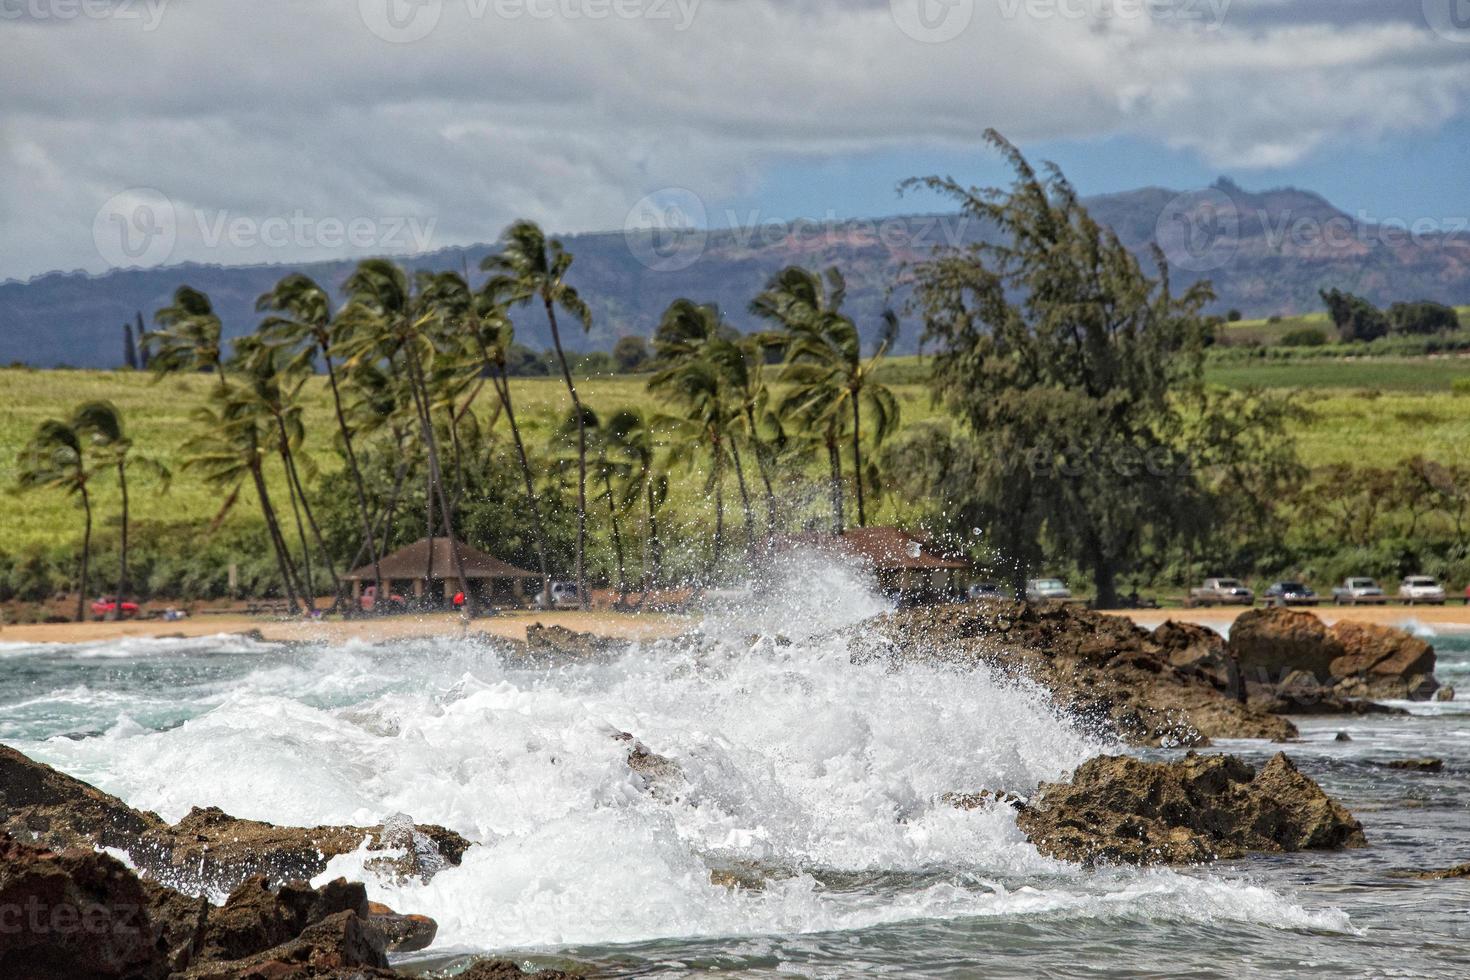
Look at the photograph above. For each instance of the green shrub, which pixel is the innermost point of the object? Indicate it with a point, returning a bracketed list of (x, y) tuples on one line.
[(1460, 386), (1304, 337)]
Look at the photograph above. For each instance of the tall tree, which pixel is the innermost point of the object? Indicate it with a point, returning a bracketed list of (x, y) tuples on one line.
[(101, 425), (388, 318), (1065, 359), (54, 459), (530, 267), (301, 321)]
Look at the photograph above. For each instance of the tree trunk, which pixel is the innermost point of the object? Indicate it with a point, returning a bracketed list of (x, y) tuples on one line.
[(357, 483), (834, 460), (122, 565), (1104, 580), (86, 554), (763, 466), (744, 499), (566, 374), (651, 566), (278, 543), (436, 479), (501, 381), (612, 514), (719, 513), (300, 528), (857, 460), (316, 534)]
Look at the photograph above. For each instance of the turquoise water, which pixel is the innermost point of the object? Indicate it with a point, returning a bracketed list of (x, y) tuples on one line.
[(822, 774)]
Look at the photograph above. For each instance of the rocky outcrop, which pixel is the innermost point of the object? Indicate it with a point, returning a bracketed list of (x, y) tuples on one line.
[(1173, 687), (1458, 871), (1380, 662), (1279, 648), (559, 644), (82, 915), (1119, 809), (208, 849)]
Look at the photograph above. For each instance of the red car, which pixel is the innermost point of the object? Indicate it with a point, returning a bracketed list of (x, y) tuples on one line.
[(105, 607)]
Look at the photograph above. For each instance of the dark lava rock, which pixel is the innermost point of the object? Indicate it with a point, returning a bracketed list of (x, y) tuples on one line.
[(1172, 687), (208, 848), (74, 915), (1118, 809), (1458, 871), (507, 970), (1275, 646), (557, 643), (1425, 764)]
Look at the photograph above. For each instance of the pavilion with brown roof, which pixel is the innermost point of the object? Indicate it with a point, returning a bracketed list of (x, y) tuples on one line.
[(904, 563), (427, 569)]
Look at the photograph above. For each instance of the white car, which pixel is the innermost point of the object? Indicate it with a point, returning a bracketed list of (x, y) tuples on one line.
[(563, 596), (1047, 588), (1421, 588), (1358, 589)]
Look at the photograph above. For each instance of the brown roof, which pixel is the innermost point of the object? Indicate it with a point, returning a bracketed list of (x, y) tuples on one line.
[(880, 547), (412, 560)]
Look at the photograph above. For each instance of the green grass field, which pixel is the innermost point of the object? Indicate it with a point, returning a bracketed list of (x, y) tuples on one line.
[(1367, 412)]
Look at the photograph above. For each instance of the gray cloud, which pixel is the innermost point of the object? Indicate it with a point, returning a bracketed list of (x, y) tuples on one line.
[(299, 111)]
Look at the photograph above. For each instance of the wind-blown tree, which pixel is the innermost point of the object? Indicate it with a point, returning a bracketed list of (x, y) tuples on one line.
[(227, 451), (1066, 361), (188, 339), (388, 320), (100, 424), (527, 268), (301, 323), (479, 321), (808, 305), (829, 377), (628, 443), (54, 458), (699, 355), (188, 336)]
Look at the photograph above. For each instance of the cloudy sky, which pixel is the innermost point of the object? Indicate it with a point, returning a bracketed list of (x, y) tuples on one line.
[(147, 131)]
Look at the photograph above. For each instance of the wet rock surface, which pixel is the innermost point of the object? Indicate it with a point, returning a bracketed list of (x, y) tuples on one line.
[(208, 848), (557, 644), (1174, 686), (1289, 648), (1119, 809)]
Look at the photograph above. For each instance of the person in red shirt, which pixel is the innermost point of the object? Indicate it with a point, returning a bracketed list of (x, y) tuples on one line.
[(459, 599)]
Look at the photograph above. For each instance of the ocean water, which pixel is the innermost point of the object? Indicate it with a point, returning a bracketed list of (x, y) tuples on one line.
[(820, 777)]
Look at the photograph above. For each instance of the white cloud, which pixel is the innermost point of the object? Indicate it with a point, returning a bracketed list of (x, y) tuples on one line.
[(280, 107)]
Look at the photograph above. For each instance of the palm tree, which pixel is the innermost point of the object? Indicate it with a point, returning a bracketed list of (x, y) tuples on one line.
[(188, 338), (54, 459), (101, 423), (702, 366), (301, 322), (531, 267), (481, 321), (627, 443), (830, 379), (228, 451), (388, 319)]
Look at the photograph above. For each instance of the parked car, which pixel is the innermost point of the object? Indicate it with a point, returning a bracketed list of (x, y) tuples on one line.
[(563, 596), (1047, 588), (1290, 594), (1222, 592), (1421, 588), (1357, 590), (104, 608), (985, 590), (369, 601)]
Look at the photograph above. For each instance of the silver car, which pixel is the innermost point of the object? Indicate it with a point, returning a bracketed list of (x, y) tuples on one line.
[(1421, 589), (1047, 588)]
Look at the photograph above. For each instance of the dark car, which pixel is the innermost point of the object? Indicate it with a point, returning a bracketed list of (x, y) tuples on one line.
[(1291, 594)]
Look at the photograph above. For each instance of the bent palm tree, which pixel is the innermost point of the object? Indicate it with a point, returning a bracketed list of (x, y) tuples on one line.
[(301, 322), (531, 267), (102, 424), (54, 459)]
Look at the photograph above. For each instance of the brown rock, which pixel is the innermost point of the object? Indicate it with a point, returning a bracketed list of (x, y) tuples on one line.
[(508, 970), (1270, 643), (74, 915), (1118, 809), (557, 643), (1191, 647), (1458, 871), (1425, 764), (1103, 669), (404, 933), (48, 807), (1384, 662)]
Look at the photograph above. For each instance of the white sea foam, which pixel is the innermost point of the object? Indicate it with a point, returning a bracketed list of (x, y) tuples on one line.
[(822, 774)]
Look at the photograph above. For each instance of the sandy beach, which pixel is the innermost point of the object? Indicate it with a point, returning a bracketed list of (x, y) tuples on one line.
[(508, 624), (606, 623)]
